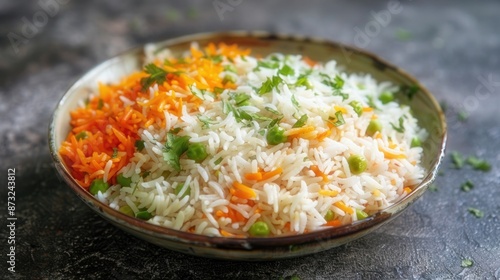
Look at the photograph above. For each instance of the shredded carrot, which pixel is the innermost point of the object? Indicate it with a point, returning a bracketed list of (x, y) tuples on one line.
[(334, 223), (407, 190), (341, 205), (367, 109), (272, 173), (328, 193), (254, 176), (319, 173), (309, 61), (324, 134), (299, 130), (392, 154), (108, 125), (243, 191)]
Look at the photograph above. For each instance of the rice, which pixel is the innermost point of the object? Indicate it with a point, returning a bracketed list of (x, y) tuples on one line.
[(292, 186)]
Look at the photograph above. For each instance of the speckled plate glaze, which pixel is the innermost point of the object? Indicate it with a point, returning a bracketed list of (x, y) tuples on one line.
[(423, 105)]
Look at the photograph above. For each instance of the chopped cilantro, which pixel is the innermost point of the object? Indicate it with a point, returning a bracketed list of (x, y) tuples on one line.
[(218, 161), (303, 81), (269, 84), (286, 71), (370, 101), (338, 120), (462, 116), (295, 102), (215, 58), (301, 121), (200, 93), (273, 111), (174, 148), (230, 68), (476, 212), (457, 159), (100, 104), (268, 64), (81, 135), (400, 128), (409, 90), (205, 120), (157, 75), (115, 152), (467, 186), (403, 34), (218, 90), (467, 263), (139, 145), (479, 164)]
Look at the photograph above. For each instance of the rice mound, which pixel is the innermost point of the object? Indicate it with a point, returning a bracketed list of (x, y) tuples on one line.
[(313, 177)]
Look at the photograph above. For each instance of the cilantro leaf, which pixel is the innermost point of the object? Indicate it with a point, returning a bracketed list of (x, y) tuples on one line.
[(205, 120), (241, 99), (409, 90), (273, 111), (476, 212), (338, 120), (286, 71), (295, 102), (267, 64), (174, 148), (200, 93), (157, 75), (301, 121), (269, 84), (467, 186), (467, 263), (400, 128), (139, 145), (457, 160), (81, 135), (479, 164)]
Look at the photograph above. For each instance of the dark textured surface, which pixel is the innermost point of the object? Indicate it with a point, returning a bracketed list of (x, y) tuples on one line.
[(451, 49)]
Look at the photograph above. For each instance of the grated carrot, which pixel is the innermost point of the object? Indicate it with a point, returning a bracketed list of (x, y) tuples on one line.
[(407, 190), (319, 173), (341, 205), (328, 193), (243, 191), (299, 130), (334, 223), (272, 173), (254, 176)]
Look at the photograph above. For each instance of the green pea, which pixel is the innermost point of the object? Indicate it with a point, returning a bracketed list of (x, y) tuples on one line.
[(386, 97), (357, 107), (276, 135), (329, 215), (123, 181), (361, 215), (143, 214), (357, 164), (415, 142), (259, 229), (127, 210), (196, 152), (179, 188), (373, 127), (98, 185)]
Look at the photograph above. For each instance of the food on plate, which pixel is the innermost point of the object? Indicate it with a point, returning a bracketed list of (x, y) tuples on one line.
[(220, 142)]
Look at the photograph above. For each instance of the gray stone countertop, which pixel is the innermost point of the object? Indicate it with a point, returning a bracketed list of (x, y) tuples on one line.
[(452, 47)]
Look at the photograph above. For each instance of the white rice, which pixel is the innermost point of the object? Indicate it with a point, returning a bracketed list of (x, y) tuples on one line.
[(290, 202)]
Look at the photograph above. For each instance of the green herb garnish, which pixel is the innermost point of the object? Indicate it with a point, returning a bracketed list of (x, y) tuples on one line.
[(157, 75), (286, 71), (467, 186), (476, 212), (139, 145), (462, 116), (400, 128), (301, 121), (409, 90), (174, 148), (269, 84), (467, 263), (479, 164), (115, 152), (205, 120), (457, 160), (338, 120), (81, 135)]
